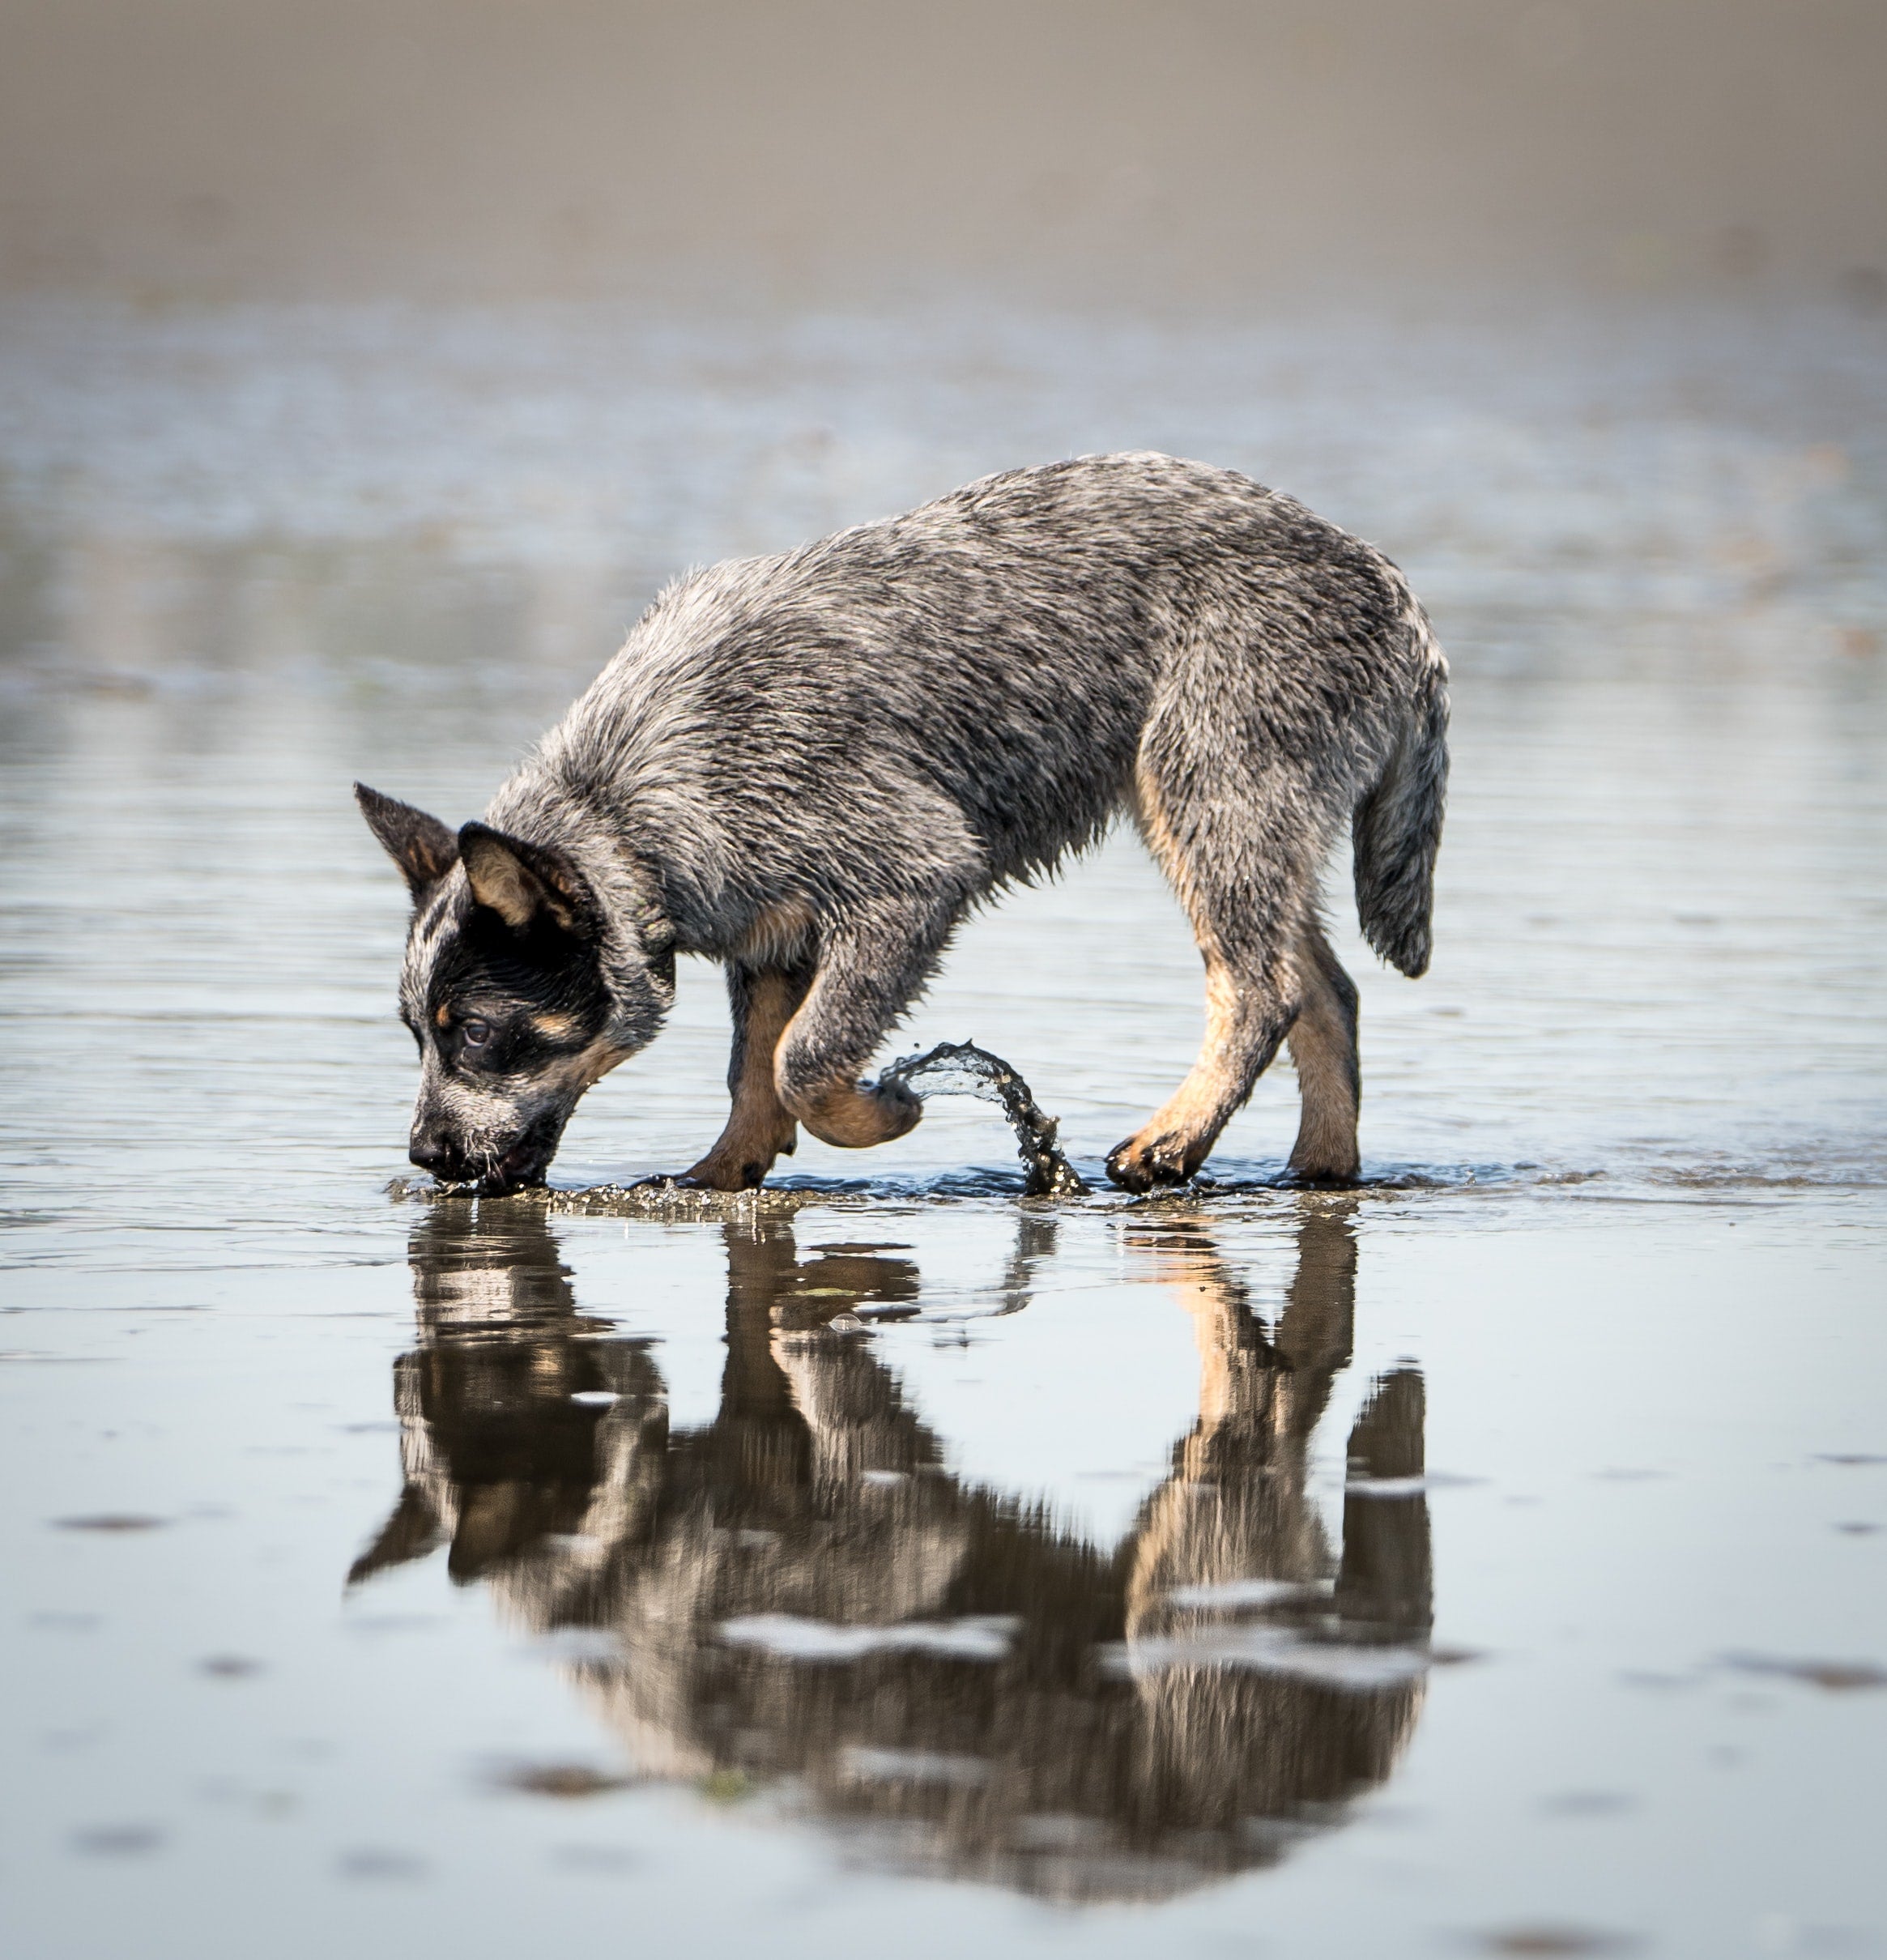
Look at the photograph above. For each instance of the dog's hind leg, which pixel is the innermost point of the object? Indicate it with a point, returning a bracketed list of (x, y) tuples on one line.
[(1240, 851), (867, 975), (760, 1128), (1323, 1048)]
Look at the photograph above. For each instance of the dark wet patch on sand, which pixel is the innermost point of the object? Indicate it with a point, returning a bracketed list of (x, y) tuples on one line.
[(566, 1781), (111, 1521), (1554, 1939), (118, 1840), (1837, 1677), (395, 1867)]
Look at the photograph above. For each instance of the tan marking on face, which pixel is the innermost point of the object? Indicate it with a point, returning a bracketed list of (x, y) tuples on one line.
[(588, 1065), (443, 1017), (556, 1027)]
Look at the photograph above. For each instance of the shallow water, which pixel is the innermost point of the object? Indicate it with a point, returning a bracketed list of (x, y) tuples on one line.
[(1489, 1558)]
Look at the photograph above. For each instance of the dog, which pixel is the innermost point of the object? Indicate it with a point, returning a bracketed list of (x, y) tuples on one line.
[(811, 767)]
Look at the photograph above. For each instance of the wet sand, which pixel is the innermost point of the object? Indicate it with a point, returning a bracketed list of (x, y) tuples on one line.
[(1490, 1558)]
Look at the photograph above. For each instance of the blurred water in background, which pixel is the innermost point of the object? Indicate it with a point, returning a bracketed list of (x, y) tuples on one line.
[(1489, 1559)]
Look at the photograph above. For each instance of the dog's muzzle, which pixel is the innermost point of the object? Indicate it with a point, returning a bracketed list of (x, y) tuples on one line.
[(525, 1162)]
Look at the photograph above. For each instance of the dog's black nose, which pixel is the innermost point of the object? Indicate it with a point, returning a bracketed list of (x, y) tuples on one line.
[(432, 1152)]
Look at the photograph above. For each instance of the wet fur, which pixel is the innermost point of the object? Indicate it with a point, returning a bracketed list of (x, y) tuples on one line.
[(811, 767)]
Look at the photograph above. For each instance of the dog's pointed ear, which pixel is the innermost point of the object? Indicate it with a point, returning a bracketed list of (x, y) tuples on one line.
[(424, 849), (526, 884)]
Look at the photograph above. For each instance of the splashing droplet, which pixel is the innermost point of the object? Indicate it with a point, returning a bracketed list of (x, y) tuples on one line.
[(961, 1068)]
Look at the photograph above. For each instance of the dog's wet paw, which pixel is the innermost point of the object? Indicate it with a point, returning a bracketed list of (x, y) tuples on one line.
[(1299, 1176), (1148, 1164), (714, 1174), (857, 1115)]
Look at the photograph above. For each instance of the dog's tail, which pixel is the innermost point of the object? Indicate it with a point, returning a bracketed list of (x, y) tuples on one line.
[(1396, 828)]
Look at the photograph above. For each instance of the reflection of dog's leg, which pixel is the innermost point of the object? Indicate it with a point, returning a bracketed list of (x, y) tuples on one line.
[(760, 1128), (1387, 1579), (1228, 1510), (1236, 1506), (1323, 1047), (1318, 1326), (1236, 1520), (1236, 1360), (867, 976), (1232, 841), (762, 1268)]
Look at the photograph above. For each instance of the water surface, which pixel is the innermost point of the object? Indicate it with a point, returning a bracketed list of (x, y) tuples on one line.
[(1486, 1559)]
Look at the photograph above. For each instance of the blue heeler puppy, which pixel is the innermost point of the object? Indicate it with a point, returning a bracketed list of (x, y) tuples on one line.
[(811, 767)]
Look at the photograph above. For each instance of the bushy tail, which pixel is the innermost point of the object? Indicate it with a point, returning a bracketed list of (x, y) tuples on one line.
[(1397, 827)]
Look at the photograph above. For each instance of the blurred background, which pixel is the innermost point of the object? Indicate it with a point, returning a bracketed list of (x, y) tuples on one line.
[(1171, 154)]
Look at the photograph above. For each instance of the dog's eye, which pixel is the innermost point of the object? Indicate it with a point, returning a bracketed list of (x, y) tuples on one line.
[(474, 1033)]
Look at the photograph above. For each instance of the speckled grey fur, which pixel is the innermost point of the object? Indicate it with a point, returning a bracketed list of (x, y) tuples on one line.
[(815, 764)]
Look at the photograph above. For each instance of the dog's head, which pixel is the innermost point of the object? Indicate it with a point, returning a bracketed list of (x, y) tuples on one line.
[(519, 988)]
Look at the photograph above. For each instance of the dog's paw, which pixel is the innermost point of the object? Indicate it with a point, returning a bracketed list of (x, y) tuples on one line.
[(723, 1175), (902, 1109), (856, 1115), (1320, 1177), (1144, 1164)]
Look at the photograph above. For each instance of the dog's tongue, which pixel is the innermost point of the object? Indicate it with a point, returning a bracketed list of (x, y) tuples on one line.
[(961, 1068)]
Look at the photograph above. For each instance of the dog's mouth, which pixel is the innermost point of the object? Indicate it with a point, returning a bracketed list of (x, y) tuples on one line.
[(521, 1168), (523, 1165), (480, 1168)]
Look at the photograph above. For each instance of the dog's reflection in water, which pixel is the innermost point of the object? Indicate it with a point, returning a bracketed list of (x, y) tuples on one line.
[(801, 1594)]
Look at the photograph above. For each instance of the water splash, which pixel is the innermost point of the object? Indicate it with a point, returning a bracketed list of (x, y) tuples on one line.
[(961, 1068)]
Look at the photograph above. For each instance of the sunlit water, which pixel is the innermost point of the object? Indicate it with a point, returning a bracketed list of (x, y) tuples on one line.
[(1493, 1557)]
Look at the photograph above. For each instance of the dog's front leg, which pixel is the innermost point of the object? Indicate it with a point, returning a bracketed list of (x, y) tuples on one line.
[(867, 975), (759, 1127)]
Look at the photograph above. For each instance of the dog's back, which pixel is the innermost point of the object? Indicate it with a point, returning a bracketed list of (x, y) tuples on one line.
[(978, 674)]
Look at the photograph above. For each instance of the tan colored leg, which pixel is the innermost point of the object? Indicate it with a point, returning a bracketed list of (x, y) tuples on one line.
[(1247, 1015), (867, 975), (1323, 1048), (1173, 1142), (760, 1128)]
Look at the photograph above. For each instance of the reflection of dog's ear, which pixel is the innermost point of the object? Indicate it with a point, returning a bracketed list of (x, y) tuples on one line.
[(526, 884), (424, 849), (410, 1533)]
